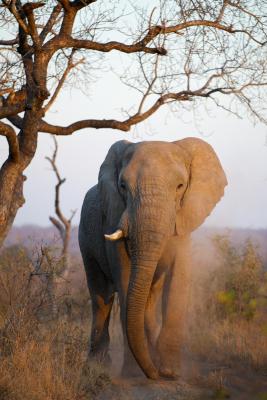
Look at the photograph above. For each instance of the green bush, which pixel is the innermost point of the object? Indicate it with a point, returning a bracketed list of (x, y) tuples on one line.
[(239, 281)]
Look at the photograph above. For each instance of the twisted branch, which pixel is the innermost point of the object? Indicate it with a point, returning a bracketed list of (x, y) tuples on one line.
[(10, 134)]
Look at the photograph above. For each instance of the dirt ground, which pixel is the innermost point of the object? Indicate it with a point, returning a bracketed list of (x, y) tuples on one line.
[(200, 380), (236, 385)]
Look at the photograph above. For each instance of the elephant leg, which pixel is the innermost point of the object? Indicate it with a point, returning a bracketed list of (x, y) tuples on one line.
[(174, 309), (102, 297)]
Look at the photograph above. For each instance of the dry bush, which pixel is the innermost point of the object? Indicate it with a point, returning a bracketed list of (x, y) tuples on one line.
[(230, 342), (50, 364), (228, 319), (72, 293), (240, 283), (216, 382), (36, 277), (40, 359), (14, 284)]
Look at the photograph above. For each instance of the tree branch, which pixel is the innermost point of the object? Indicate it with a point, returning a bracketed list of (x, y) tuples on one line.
[(212, 24), (60, 182), (28, 9), (125, 126), (51, 21), (122, 125), (81, 3), (10, 42), (63, 41), (88, 123), (11, 110), (10, 134), (65, 4), (13, 9), (109, 46), (70, 66), (222, 10), (58, 225), (62, 224), (14, 104)]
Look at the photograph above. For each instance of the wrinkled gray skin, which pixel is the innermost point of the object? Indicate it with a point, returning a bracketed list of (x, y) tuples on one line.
[(157, 193)]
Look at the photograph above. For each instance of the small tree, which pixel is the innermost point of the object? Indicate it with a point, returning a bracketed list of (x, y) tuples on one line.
[(62, 224), (178, 52)]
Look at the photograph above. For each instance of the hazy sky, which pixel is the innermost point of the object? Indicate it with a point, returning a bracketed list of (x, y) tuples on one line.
[(241, 147)]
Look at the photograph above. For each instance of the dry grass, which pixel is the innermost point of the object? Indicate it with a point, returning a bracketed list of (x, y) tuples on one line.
[(230, 342), (228, 318), (49, 365), (41, 358), (44, 358)]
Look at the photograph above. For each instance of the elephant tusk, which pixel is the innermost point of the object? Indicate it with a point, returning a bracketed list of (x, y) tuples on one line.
[(115, 236)]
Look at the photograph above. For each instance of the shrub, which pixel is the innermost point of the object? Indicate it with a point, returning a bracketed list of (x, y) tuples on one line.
[(40, 358), (239, 280)]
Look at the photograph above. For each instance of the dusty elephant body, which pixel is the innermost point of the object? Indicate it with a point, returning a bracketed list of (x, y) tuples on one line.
[(152, 195)]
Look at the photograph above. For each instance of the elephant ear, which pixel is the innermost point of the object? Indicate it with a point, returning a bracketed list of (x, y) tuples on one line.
[(111, 202), (206, 185)]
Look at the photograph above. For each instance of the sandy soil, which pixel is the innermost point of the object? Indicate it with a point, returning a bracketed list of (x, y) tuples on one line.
[(142, 389), (200, 380), (236, 385)]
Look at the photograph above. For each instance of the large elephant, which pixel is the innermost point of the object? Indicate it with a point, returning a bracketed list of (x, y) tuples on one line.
[(134, 238)]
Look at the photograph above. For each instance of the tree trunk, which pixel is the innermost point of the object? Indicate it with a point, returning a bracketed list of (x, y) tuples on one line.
[(11, 173), (65, 253), (11, 196)]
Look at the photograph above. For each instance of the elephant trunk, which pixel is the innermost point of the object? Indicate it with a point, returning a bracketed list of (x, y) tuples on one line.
[(147, 240)]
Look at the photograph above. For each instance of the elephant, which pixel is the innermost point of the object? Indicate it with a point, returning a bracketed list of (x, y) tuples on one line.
[(134, 237)]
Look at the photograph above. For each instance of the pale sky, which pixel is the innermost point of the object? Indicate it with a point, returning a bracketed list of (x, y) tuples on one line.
[(241, 147)]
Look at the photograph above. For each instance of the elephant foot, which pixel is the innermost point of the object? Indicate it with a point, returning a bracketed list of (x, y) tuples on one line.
[(168, 373)]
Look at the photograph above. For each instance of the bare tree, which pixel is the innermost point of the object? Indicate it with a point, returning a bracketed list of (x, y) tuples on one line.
[(62, 224), (179, 52)]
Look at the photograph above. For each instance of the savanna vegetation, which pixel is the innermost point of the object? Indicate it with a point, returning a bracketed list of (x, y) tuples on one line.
[(176, 54), (42, 351), (230, 307), (44, 330)]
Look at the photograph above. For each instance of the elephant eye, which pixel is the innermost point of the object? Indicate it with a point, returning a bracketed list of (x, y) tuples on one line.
[(122, 185), (180, 186)]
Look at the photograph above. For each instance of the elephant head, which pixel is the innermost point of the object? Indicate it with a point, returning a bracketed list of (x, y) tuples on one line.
[(149, 192)]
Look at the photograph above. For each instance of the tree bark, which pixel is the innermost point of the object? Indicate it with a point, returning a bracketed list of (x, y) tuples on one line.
[(11, 173), (11, 196)]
